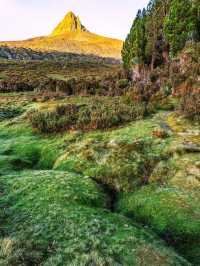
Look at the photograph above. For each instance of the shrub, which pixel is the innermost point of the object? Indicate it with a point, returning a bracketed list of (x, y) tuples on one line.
[(190, 102), (98, 114), (102, 115), (60, 119), (123, 83), (143, 93)]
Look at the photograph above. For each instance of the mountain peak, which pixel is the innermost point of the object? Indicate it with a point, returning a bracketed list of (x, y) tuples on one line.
[(70, 23)]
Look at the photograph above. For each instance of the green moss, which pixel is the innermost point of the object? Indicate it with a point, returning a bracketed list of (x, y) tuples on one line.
[(122, 158), (23, 150), (50, 219), (55, 217), (172, 212)]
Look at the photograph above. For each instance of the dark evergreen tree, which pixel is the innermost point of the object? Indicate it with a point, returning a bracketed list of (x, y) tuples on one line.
[(166, 25), (181, 25), (133, 51), (156, 43)]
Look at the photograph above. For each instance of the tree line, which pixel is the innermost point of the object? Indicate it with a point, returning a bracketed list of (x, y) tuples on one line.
[(160, 31)]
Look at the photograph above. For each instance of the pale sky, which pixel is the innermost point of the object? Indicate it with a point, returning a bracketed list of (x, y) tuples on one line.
[(22, 19)]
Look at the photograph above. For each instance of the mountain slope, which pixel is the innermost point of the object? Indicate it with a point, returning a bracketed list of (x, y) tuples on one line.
[(71, 36)]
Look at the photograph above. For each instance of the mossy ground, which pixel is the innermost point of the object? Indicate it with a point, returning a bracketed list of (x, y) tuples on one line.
[(59, 218), (56, 192), (168, 204)]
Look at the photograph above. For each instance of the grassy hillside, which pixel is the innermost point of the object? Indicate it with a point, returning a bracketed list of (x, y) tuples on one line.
[(73, 42)]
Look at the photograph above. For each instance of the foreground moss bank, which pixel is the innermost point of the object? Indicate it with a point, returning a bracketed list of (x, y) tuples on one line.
[(59, 218)]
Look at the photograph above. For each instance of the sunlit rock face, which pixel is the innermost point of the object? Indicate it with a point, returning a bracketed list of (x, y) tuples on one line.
[(70, 23)]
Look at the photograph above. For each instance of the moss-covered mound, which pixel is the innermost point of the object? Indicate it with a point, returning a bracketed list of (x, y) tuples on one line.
[(122, 159), (58, 218), (171, 212), (169, 202), (20, 149)]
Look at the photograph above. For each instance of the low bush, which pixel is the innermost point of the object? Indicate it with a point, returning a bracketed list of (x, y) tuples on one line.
[(56, 120), (123, 83), (98, 114), (190, 102)]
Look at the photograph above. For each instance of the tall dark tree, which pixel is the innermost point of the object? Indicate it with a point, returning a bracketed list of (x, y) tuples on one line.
[(156, 10), (145, 42), (133, 51), (181, 25), (165, 26)]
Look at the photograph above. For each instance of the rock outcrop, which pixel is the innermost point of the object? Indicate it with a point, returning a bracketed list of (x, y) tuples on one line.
[(70, 23)]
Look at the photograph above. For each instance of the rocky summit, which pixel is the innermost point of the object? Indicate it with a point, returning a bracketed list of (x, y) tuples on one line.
[(70, 23)]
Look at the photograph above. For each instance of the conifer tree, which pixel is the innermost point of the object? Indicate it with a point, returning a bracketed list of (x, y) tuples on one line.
[(133, 51), (166, 25), (181, 25)]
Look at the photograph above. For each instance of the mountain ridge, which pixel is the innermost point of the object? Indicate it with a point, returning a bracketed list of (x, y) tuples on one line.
[(72, 37)]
